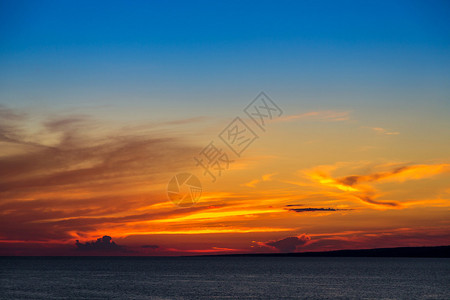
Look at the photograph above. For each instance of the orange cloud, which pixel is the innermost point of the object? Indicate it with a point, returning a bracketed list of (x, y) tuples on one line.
[(359, 185), (266, 177), (384, 131), (399, 174)]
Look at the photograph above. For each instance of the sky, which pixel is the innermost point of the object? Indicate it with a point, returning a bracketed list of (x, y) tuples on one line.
[(103, 104)]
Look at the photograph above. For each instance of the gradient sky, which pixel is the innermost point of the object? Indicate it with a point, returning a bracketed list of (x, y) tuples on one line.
[(101, 103)]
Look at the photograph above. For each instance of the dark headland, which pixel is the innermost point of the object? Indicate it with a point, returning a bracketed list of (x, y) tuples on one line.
[(432, 252)]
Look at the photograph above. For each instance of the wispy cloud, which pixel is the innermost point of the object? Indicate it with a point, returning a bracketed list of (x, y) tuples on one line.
[(87, 175), (380, 130), (399, 174), (322, 115), (265, 177), (359, 186)]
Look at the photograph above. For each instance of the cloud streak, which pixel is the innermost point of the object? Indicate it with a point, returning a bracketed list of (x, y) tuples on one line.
[(314, 209), (384, 131), (323, 115)]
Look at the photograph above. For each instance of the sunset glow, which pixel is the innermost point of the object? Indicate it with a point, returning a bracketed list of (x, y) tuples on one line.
[(353, 150)]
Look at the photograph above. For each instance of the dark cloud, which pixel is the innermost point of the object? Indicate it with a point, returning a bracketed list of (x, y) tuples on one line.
[(312, 209), (288, 244), (101, 244), (369, 199)]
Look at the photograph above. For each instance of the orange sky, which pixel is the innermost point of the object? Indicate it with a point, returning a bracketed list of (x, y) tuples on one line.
[(314, 180)]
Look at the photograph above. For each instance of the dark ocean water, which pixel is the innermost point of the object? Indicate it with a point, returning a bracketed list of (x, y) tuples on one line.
[(224, 278)]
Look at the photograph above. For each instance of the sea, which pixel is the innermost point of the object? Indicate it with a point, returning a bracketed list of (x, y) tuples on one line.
[(225, 277)]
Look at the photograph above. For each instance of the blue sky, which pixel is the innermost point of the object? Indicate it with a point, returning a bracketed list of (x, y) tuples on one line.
[(213, 56)]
